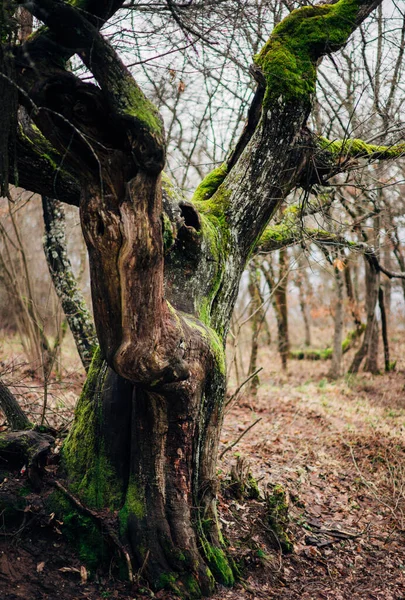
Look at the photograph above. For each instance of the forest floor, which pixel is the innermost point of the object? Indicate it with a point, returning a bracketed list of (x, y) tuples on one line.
[(337, 448)]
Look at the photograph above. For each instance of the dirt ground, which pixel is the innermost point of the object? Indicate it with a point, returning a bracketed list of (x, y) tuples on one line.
[(337, 448)]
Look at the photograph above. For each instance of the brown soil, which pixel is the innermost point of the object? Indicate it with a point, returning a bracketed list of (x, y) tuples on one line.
[(337, 448)]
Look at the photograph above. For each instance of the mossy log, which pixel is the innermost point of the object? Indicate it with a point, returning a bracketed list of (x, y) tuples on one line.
[(326, 354), (27, 449)]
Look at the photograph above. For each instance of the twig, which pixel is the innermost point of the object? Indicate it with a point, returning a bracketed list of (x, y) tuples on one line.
[(235, 394), (239, 438), (113, 536)]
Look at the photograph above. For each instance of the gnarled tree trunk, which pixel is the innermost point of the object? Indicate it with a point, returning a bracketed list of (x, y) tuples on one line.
[(165, 272)]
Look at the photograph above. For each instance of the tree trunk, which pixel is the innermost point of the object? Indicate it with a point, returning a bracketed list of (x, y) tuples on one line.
[(280, 294), (74, 306), (384, 330), (372, 287), (303, 300), (336, 366), (278, 291), (256, 316)]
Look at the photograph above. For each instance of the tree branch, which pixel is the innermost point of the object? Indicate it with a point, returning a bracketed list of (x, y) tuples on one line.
[(142, 124)]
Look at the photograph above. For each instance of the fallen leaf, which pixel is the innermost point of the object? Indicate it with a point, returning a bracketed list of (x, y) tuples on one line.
[(83, 574), (40, 567)]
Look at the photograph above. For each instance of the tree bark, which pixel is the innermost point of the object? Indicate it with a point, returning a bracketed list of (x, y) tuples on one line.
[(303, 300)]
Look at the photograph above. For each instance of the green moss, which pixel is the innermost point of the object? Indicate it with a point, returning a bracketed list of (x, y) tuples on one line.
[(81, 531), (191, 585), (288, 60), (168, 234), (327, 353), (42, 147), (90, 473), (168, 581), (134, 103), (210, 184), (214, 341), (24, 491), (278, 518), (359, 149), (134, 505), (218, 563)]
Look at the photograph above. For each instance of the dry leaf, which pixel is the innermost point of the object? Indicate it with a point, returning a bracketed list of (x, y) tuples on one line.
[(83, 574), (181, 87), (69, 570), (40, 567), (339, 264)]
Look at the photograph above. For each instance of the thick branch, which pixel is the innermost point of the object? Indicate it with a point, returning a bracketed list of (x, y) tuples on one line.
[(40, 168), (142, 122)]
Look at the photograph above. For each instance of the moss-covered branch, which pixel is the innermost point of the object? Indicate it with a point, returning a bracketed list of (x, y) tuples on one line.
[(142, 123), (40, 168), (355, 148), (289, 58)]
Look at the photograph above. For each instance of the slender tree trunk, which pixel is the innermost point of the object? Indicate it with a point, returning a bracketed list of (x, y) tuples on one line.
[(396, 245), (388, 265), (336, 366), (255, 314), (303, 300), (384, 329), (280, 294), (372, 286), (74, 306), (279, 302), (353, 303)]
